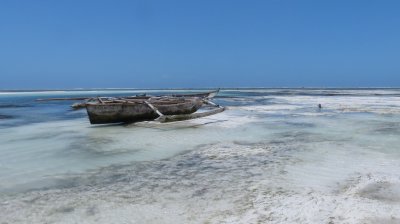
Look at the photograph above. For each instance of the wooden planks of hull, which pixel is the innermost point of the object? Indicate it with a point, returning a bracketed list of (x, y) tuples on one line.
[(129, 112)]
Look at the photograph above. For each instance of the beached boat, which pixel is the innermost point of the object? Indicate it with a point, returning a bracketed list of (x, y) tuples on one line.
[(163, 109), (129, 109)]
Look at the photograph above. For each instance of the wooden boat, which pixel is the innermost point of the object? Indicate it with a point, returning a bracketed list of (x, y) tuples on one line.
[(130, 109), (163, 109)]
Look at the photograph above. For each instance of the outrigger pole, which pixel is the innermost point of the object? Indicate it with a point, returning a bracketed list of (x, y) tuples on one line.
[(154, 109), (171, 118)]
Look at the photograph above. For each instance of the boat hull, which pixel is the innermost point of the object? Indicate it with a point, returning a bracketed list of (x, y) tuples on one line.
[(138, 111)]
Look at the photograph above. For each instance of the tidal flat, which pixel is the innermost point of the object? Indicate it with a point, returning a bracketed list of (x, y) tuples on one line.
[(272, 157)]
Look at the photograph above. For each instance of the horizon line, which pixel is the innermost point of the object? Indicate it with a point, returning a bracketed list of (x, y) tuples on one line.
[(183, 88)]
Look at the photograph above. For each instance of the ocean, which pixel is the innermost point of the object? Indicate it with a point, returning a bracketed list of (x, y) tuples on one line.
[(273, 156)]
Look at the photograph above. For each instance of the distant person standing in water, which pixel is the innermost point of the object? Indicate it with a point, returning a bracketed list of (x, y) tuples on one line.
[(319, 107)]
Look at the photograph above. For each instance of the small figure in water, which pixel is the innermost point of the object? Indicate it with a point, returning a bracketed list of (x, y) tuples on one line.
[(319, 106)]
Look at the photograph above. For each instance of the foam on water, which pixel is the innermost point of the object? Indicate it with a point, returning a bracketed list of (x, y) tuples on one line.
[(39, 151), (277, 161), (373, 104)]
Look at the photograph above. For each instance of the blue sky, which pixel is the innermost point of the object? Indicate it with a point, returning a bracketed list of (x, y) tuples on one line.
[(207, 43)]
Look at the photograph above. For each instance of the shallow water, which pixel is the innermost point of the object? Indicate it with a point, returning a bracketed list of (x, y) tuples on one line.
[(272, 157)]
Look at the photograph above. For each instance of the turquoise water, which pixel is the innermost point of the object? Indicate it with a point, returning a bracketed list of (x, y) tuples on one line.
[(272, 157)]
